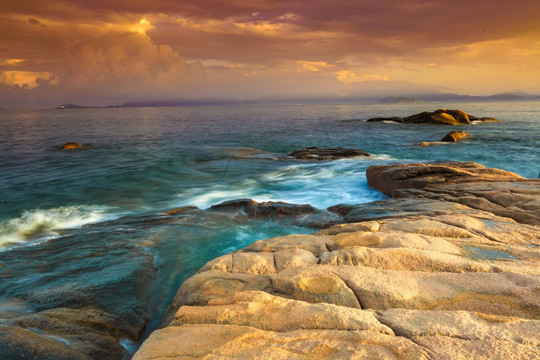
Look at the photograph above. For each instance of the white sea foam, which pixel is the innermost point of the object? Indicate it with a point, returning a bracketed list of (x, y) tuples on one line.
[(382, 157), (40, 223), (320, 185)]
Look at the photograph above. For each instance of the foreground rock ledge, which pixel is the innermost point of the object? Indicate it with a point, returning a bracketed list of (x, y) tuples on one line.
[(457, 281)]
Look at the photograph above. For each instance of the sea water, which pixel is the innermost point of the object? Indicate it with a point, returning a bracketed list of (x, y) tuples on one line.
[(68, 218)]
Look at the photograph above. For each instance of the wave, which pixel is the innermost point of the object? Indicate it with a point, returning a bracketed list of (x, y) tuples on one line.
[(43, 224), (320, 184)]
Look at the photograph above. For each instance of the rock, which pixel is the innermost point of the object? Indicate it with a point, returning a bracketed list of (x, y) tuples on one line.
[(305, 215), (440, 274), (460, 115), (64, 333), (314, 153), (388, 179), (371, 226), (243, 342), (496, 191), (71, 146), (430, 143), (18, 343), (274, 313), (355, 239), (439, 117), (454, 136), (431, 118), (286, 259)]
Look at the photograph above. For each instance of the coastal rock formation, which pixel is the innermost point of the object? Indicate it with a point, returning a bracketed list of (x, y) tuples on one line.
[(314, 153), (448, 270), (71, 146), (439, 117), (454, 136), (496, 191)]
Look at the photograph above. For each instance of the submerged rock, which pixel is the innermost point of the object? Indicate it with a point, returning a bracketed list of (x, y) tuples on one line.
[(71, 146), (439, 117), (404, 284), (314, 153), (305, 215)]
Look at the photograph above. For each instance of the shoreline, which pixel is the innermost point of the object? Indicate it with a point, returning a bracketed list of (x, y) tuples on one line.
[(447, 268)]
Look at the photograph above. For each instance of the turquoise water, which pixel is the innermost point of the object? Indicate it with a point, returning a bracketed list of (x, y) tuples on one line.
[(77, 226)]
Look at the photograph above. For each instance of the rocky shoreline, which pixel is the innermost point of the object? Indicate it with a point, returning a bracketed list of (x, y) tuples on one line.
[(445, 269)]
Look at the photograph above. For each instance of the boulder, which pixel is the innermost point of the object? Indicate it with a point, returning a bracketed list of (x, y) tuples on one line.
[(461, 116), (454, 136), (71, 146), (314, 153)]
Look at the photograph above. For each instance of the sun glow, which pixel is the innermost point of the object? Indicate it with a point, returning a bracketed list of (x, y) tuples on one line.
[(142, 26)]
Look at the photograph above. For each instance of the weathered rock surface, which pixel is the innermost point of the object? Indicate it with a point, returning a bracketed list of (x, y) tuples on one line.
[(314, 153), (439, 117), (424, 276)]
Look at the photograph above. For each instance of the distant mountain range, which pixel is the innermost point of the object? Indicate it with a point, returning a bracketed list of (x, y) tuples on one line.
[(448, 97), (352, 98)]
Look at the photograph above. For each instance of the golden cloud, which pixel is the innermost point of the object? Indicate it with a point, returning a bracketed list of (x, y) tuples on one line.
[(349, 77), (25, 79), (313, 66)]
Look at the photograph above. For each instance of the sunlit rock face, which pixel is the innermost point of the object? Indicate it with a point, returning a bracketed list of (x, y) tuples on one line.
[(447, 270)]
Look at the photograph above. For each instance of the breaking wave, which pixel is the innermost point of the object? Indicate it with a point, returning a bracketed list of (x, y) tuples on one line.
[(39, 223)]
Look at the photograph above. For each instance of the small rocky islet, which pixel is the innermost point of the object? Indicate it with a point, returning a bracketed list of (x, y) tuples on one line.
[(445, 269), (437, 117)]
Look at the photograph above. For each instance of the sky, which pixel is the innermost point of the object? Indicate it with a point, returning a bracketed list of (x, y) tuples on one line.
[(108, 52)]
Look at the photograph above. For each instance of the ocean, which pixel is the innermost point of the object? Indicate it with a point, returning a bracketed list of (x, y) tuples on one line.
[(86, 227)]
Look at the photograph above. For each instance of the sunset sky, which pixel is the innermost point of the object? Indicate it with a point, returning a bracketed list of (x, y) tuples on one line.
[(108, 52)]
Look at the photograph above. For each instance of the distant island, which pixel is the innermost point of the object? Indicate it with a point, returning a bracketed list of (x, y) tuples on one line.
[(76, 106), (351, 98), (401, 100)]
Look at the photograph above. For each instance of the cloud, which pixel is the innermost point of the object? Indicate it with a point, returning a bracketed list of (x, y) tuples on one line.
[(349, 77), (25, 79), (111, 58), (313, 66), (12, 61), (124, 49)]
